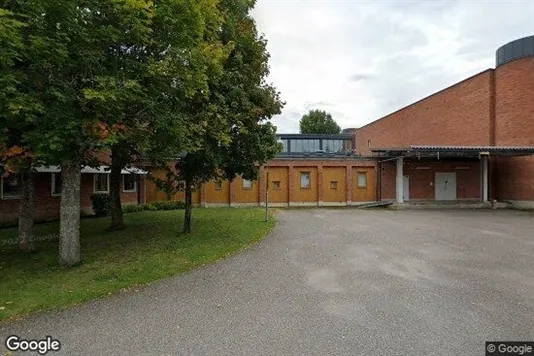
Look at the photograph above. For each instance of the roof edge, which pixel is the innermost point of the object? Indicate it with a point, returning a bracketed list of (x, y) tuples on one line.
[(426, 97)]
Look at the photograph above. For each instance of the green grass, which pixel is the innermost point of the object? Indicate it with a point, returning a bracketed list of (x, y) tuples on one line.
[(150, 248)]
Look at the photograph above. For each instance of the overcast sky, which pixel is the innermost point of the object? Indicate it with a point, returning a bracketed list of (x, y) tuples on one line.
[(361, 60)]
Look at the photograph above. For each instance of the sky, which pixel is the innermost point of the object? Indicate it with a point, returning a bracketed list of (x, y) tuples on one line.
[(361, 60)]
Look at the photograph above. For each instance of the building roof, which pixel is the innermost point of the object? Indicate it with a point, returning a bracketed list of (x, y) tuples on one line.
[(345, 136), (456, 151)]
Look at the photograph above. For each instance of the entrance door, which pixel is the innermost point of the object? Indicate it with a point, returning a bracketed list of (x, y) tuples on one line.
[(445, 186), (406, 186)]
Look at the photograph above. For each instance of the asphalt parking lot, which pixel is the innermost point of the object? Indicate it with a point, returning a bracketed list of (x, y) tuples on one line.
[(327, 282)]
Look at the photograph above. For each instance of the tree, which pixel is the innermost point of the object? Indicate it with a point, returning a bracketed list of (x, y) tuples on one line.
[(233, 135), (318, 122), (84, 76), (170, 66)]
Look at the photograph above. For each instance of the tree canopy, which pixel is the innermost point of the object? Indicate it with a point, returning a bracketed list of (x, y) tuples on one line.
[(318, 122)]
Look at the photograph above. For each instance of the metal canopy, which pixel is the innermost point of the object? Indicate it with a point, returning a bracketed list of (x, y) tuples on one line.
[(455, 151)]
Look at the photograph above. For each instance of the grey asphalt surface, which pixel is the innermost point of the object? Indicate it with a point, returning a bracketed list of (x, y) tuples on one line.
[(327, 282)]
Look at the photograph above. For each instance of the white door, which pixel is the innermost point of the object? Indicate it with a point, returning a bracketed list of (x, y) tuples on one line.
[(406, 186), (445, 186)]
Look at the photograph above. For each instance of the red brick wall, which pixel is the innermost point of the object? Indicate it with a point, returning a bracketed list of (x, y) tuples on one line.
[(47, 206), (467, 180), (514, 126), (458, 115)]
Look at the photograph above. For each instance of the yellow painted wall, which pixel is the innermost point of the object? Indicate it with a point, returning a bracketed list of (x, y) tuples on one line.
[(305, 195), (243, 195), (153, 193), (364, 194), (339, 175), (217, 196), (280, 174)]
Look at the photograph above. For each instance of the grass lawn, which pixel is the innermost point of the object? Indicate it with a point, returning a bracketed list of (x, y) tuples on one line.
[(150, 248)]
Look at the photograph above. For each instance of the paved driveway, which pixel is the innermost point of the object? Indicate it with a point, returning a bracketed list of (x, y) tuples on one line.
[(328, 282)]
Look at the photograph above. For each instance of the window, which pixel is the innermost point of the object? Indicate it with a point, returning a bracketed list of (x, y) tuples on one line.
[(333, 185), (276, 185), (362, 180), (101, 183), (304, 180), (129, 183), (11, 187), (247, 184), (56, 184), (368, 143), (218, 185), (305, 145), (333, 145), (286, 145)]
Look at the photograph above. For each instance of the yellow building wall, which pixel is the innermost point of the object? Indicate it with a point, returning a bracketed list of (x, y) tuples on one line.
[(153, 193), (364, 194), (335, 174), (243, 195), (217, 196), (305, 194), (278, 174)]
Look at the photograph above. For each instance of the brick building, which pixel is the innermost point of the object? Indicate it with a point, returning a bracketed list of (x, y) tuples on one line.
[(481, 130), (473, 141)]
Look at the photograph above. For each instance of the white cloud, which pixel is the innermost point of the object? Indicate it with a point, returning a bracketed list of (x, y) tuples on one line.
[(361, 60)]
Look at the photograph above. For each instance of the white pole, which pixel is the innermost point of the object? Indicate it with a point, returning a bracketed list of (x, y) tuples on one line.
[(400, 180)]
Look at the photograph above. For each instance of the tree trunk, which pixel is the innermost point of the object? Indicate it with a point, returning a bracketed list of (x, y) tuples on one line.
[(69, 227), (26, 211), (117, 220), (188, 208)]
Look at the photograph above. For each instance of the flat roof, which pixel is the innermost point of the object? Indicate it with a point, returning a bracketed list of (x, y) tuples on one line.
[(464, 151), (345, 136)]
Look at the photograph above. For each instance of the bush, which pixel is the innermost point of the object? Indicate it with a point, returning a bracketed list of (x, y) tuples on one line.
[(169, 205), (158, 205), (101, 204), (133, 208)]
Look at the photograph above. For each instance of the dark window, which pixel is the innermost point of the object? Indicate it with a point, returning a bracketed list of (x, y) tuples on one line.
[(333, 185), (129, 182), (101, 183), (11, 187), (218, 185), (56, 184), (276, 185)]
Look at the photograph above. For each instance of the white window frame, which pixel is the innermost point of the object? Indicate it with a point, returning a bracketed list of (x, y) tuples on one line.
[(124, 185), (2, 191), (364, 174), (53, 184), (94, 183), (246, 186), (309, 179)]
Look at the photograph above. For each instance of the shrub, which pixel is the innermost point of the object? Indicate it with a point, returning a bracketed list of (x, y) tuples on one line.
[(101, 204), (157, 205), (133, 208), (169, 205)]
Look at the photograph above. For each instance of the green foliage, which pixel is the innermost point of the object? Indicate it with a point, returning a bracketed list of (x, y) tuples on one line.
[(158, 205), (147, 250), (318, 122), (101, 204), (233, 135), (169, 205)]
